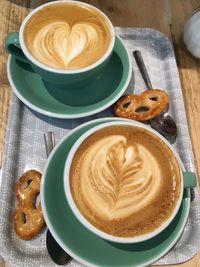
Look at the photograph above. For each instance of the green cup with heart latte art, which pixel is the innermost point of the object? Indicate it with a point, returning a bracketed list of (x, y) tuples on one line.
[(65, 42)]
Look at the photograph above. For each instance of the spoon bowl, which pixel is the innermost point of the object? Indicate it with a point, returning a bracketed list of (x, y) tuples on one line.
[(165, 125), (58, 255)]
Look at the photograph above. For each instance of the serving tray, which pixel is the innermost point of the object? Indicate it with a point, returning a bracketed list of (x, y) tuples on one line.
[(25, 149)]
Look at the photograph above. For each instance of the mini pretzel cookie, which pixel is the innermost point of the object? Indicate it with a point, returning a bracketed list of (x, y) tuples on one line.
[(28, 219), (143, 107)]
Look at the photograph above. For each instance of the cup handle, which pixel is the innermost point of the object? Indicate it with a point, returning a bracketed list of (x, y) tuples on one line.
[(13, 46), (189, 179)]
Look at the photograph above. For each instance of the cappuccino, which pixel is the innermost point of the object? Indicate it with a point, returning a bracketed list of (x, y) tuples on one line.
[(67, 35), (125, 180)]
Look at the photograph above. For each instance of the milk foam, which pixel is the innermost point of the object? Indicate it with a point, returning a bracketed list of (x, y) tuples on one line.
[(67, 36), (117, 180), (58, 45)]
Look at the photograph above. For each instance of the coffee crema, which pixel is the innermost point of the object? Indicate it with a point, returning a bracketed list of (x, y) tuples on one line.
[(67, 35), (125, 181)]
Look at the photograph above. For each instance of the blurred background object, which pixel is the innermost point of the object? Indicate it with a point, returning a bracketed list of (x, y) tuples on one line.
[(191, 33)]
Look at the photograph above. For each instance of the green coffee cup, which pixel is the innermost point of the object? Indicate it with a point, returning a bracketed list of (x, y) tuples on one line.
[(16, 45)]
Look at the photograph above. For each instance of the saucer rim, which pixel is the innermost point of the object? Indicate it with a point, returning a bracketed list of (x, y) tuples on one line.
[(51, 228), (77, 115)]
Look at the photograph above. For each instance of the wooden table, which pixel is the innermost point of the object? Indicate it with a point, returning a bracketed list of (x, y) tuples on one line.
[(168, 16)]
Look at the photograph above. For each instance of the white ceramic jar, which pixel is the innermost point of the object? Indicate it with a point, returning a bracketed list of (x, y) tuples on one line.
[(191, 33)]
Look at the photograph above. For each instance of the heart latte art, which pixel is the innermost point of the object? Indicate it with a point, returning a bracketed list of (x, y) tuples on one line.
[(67, 36), (123, 182)]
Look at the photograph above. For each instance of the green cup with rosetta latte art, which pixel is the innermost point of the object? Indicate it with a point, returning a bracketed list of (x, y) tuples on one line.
[(65, 42), (124, 181)]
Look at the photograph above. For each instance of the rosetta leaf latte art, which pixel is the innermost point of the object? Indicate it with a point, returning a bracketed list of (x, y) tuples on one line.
[(117, 178), (121, 165)]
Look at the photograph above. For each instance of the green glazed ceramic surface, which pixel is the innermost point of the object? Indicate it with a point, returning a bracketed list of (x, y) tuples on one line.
[(82, 244), (72, 102)]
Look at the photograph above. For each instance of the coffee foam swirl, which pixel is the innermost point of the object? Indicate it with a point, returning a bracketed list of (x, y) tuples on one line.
[(58, 45), (117, 179)]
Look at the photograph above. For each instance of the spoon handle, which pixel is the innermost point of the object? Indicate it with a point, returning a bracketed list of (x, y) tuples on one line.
[(58, 255), (49, 138), (138, 57)]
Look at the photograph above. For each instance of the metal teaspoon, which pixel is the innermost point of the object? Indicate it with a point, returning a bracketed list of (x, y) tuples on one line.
[(58, 255), (163, 123)]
